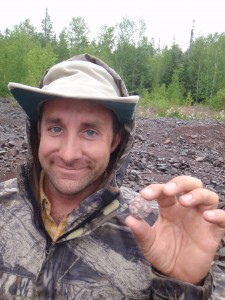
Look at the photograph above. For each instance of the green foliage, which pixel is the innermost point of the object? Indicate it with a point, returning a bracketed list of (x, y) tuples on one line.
[(217, 102), (188, 100), (173, 113), (47, 35), (38, 60), (105, 44), (159, 94), (132, 55), (78, 36), (22, 58), (165, 78), (62, 47), (156, 99), (175, 89), (145, 99)]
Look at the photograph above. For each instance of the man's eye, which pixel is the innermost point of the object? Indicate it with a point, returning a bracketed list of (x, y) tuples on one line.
[(55, 129), (90, 133)]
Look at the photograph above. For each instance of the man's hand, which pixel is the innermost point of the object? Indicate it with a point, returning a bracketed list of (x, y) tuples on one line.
[(183, 241)]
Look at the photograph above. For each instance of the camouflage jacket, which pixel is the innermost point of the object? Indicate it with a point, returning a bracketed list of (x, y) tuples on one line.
[(97, 257)]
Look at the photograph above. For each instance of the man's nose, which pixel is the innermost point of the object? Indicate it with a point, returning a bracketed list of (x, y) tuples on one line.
[(71, 149)]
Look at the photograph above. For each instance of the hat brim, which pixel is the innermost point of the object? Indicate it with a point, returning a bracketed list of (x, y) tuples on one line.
[(30, 99)]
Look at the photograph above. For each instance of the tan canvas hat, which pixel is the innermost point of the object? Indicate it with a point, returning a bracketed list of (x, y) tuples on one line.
[(76, 79)]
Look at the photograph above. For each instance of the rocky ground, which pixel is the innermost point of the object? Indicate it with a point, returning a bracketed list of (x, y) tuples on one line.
[(163, 149)]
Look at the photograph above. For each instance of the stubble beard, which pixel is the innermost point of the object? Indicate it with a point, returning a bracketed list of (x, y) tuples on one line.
[(73, 187)]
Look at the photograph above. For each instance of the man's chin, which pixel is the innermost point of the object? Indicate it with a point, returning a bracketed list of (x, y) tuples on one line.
[(69, 186), (72, 175), (72, 187)]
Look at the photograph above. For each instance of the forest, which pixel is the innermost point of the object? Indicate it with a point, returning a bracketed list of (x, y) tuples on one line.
[(167, 75)]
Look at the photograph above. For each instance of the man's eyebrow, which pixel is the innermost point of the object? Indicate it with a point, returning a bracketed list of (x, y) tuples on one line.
[(96, 123), (93, 124), (53, 120)]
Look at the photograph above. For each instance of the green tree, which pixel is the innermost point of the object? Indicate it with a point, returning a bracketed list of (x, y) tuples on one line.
[(47, 35), (15, 46), (175, 88), (215, 64), (132, 54), (143, 72), (22, 58), (171, 59), (194, 66), (124, 54), (106, 44), (38, 59), (78, 36), (62, 48)]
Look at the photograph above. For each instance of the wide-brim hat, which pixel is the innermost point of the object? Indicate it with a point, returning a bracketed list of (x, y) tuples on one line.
[(76, 79)]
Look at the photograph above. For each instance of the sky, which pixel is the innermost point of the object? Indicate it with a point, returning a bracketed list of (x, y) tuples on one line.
[(166, 20)]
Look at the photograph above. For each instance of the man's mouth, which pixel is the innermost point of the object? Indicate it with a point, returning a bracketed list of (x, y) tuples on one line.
[(72, 168)]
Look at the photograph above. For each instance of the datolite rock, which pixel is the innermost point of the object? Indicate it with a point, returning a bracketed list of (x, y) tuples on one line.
[(139, 207)]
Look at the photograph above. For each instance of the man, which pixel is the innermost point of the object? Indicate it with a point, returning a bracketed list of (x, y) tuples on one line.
[(65, 229)]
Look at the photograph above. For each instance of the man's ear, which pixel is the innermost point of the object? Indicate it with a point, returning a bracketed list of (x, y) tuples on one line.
[(116, 141)]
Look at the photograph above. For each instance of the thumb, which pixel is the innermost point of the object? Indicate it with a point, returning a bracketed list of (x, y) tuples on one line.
[(141, 231)]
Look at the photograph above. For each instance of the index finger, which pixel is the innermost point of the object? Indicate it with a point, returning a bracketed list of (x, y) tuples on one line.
[(181, 184), (176, 186), (166, 194)]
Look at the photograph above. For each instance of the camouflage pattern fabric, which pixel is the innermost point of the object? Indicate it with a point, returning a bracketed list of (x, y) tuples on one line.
[(104, 263)]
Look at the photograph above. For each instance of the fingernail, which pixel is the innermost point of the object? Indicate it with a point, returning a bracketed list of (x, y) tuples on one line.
[(210, 214), (170, 186), (147, 191), (186, 197)]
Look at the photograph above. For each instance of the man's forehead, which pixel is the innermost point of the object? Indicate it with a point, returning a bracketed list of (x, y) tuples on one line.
[(59, 110), (76, 105)]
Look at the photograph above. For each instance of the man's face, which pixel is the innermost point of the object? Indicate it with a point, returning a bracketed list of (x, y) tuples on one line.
[(75, 146)]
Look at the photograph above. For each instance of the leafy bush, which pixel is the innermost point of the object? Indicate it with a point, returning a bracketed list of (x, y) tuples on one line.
[(217, 102)]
